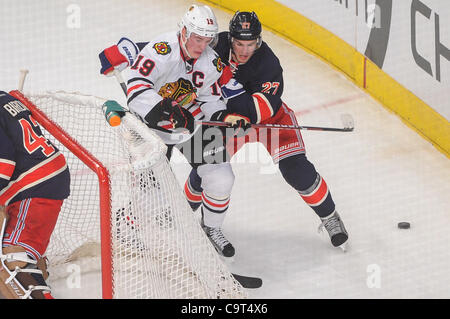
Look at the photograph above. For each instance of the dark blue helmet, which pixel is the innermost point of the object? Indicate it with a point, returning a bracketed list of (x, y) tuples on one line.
[(245, 26)]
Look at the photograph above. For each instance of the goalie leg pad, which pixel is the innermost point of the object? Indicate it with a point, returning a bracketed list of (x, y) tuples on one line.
[(21, 277)]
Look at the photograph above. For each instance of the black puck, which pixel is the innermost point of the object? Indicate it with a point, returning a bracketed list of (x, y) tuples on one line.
[(404, 225)]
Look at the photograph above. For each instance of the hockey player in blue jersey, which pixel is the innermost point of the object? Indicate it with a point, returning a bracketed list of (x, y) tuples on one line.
[(34, 181)]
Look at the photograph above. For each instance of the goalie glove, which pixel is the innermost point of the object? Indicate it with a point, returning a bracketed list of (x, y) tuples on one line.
[(238, 122), (168, 115), (181, 91), (118, 56)]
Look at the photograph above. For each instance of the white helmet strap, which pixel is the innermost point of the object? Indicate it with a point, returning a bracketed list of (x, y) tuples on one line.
[(186, 56)]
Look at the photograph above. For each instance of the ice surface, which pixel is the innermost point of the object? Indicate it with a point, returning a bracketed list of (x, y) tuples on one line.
[(379, 175)]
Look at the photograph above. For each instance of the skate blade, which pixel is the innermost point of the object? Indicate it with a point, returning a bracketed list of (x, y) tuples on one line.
[(344, 247), (227, 260)]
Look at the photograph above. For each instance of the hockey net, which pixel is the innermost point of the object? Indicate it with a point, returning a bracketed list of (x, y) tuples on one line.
[(126, 214)]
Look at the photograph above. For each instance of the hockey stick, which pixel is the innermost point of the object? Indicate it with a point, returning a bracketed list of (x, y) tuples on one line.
[(347, 121), (119, 79), (23, 75)]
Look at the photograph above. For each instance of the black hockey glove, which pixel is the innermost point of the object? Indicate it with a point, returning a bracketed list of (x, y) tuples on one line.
[(238, 122), (167, 115)]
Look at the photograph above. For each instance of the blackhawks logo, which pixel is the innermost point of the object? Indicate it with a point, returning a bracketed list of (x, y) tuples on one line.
[(217, 62), (162, 48)]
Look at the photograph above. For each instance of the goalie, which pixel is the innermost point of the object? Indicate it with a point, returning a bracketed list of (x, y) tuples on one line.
[(34, 181)]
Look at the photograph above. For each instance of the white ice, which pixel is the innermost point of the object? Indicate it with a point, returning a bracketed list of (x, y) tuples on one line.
[(380, 174)]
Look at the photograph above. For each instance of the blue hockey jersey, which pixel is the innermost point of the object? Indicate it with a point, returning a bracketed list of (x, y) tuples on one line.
[(262, 80), (30, 165)]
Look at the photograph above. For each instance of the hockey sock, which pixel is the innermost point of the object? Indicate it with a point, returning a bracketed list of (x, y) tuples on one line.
[(301, 174), (318, 197), (193, 190), (214, 210)]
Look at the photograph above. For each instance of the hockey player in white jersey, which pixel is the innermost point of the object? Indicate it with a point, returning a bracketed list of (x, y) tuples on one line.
[(172, 82)]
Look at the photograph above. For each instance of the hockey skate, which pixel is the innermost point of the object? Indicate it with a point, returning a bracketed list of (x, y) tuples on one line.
[(336, 229), (220, 243)]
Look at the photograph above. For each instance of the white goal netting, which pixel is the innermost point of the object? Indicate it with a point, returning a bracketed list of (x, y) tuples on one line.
[(158, 249)]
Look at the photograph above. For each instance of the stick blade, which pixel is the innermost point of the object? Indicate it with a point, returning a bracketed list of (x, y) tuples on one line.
[(248, 282)]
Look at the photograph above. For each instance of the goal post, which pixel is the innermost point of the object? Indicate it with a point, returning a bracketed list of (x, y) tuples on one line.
[(126, 200)]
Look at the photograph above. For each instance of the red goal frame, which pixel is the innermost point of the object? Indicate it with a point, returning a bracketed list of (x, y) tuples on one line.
[(104, 187)]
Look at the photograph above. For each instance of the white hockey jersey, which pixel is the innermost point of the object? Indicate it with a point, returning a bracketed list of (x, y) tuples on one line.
[(160, 62)]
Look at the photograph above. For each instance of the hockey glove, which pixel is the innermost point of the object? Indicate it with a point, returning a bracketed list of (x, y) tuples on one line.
[(230, 87), (228, 73), (238, 122), (181, 91), (118, 56), (168, 115)]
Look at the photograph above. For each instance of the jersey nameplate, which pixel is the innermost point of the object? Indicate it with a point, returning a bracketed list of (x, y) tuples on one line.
[(14, 107)]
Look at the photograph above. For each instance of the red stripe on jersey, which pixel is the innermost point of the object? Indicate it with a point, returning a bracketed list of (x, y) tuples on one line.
[(136, 87), (283, 155), (196, 112), (38, 174), (190, 195), (167, 126), (6, 169), (263, 108), (215, 204), (318, 195)]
